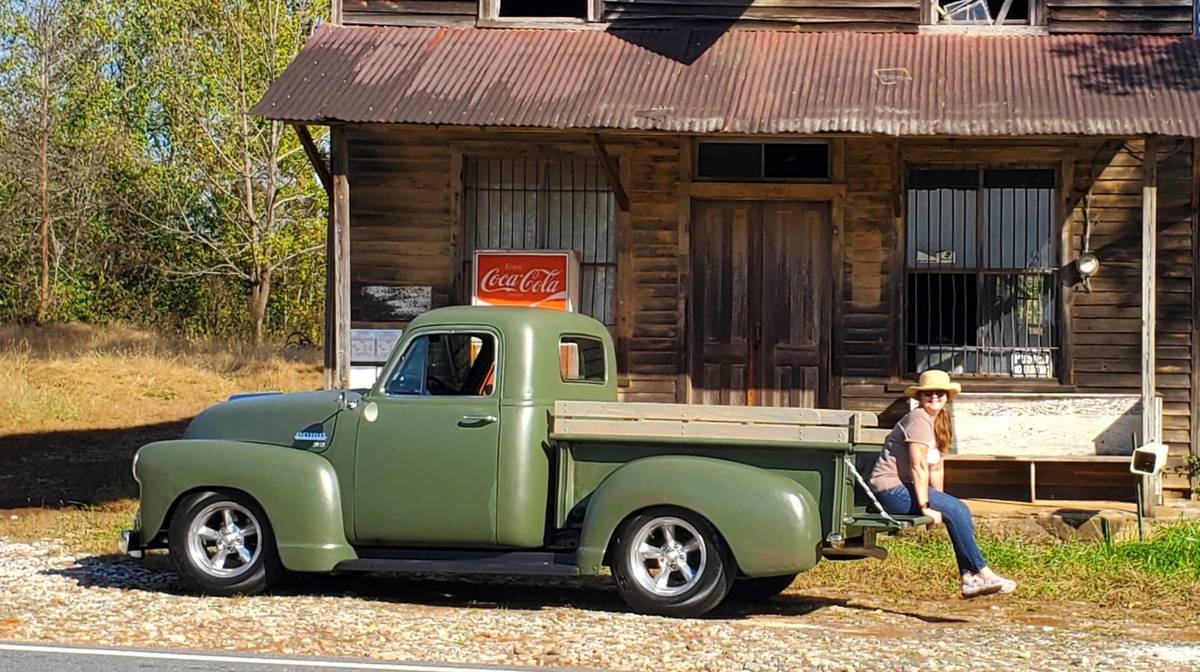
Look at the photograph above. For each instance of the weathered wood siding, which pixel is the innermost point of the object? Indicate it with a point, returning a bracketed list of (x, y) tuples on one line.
[(869, 15), (1107, 320), (409, 12), (1118, 16)]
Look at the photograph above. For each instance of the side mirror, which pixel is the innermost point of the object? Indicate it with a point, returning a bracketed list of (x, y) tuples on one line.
[(1149, 459), (347, 402)]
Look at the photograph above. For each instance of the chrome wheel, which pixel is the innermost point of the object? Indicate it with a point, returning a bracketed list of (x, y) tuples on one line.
[(223, 540), (667, 556)]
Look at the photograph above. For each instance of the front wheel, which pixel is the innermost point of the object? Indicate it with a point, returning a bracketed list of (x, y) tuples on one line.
[(222, 544), (671, 562)]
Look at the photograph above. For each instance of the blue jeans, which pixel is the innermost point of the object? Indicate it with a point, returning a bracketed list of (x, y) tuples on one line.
[(955, 515)]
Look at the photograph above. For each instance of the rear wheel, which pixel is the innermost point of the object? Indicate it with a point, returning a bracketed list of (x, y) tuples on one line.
[(671, 562), (222, 544), (760, 588)]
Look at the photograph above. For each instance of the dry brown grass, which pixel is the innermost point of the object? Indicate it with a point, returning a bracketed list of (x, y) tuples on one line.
[(71, 377), (77, 400)]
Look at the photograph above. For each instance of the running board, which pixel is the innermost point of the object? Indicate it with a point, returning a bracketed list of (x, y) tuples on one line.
[(439, 561)]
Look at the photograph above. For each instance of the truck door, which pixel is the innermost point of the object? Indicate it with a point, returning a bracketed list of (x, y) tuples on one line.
[(425, 472)]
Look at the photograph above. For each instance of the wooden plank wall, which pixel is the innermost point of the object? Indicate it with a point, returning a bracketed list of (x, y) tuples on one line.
[(871, 268), (869, 15), (1120, 16), (1107, 320), (409, 12)]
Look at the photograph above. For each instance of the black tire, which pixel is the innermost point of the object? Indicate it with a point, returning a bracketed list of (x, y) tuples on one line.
[(761, 588), (189, 548), (711, 564)]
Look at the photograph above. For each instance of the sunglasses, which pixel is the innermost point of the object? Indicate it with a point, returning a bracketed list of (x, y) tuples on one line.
[(933, 393)]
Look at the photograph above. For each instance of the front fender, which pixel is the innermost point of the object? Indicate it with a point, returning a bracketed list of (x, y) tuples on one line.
[(296, 489), (770, 522)]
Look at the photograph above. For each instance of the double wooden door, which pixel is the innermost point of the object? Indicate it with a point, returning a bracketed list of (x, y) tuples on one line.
[(759, 317)]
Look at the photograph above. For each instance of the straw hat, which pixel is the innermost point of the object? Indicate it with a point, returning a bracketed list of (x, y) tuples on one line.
[(934, 380)]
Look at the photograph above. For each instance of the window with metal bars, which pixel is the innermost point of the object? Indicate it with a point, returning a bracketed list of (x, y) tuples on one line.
[(545, 204), (982, 293)]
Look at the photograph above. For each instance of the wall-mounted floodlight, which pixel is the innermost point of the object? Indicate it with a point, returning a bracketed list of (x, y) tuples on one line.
[(1149, 459), (1087, 264)]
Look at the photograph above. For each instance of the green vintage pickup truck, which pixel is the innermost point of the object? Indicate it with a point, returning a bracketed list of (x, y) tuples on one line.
[(493, 443)]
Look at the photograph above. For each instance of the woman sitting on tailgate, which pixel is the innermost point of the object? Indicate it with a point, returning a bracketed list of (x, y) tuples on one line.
[(909, 477)]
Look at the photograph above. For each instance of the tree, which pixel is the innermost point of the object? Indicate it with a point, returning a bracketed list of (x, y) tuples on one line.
[(53, 92), (236, 188)]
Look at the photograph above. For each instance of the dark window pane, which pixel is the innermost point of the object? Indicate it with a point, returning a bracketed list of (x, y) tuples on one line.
[(558, 8), (1019, 178), (581, 359), (806, 161), (409, 376), (1018, 12), (731, 160), (943, 179), (459, 364)]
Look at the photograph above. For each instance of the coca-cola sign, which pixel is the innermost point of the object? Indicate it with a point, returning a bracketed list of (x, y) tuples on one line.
[(542, 279)]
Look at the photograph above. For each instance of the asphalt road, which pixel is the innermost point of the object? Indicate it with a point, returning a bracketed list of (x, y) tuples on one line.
[(41, 658)]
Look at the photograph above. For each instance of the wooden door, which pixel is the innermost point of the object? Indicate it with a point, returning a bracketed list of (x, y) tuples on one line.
[(795, 299), (759, 305)]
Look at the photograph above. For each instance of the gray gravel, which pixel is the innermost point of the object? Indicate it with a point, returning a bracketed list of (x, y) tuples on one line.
[(49, 595)]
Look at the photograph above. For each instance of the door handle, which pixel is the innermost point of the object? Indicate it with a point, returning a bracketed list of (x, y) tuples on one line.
[(477, 420)]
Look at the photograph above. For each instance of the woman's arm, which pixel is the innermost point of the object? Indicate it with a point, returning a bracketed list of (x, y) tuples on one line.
[(917, 456), (937, 476)]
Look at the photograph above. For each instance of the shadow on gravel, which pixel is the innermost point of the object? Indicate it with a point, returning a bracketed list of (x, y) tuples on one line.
[(155, 574)]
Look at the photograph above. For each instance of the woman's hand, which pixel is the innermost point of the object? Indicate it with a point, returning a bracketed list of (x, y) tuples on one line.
[(935, 515)]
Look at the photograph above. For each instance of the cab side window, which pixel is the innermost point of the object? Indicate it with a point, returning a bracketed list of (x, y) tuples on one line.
[(455, 364)]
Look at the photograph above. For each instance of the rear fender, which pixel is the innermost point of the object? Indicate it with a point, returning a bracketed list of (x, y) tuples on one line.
[(296, 489), (770, 522)]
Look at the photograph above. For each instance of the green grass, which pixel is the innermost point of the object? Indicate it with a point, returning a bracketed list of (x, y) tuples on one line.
[(1162, 571)]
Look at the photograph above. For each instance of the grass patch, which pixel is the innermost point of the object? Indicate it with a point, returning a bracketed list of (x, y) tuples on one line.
[(1162, 571), (80, 529)]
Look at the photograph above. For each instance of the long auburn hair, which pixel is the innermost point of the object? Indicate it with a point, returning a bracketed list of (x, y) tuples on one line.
[(942, 429)]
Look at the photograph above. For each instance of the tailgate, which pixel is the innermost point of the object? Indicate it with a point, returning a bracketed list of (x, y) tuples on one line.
[(877, 521)]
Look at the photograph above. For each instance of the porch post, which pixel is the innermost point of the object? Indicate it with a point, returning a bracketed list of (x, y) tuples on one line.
[(341, 254), (1149, 262)]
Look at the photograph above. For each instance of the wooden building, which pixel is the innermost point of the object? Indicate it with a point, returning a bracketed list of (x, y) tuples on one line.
[(797, 202)]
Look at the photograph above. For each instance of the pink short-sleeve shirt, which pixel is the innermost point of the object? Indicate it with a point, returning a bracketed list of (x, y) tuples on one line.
[(894, 468)]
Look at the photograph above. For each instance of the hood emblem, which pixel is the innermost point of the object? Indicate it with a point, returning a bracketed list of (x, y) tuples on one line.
[(316, 437)]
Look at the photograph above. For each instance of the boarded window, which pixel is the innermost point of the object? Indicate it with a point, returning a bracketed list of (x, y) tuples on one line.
[(983, 282), (545, 204)]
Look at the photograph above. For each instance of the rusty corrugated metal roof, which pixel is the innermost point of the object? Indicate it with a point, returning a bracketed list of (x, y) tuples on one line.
[(745, 81)]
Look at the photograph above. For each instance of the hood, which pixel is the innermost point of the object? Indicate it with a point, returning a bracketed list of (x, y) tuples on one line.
[(272, 418)]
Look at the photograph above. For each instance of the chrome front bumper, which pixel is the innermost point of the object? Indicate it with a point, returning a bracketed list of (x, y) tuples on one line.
[(130, 543)]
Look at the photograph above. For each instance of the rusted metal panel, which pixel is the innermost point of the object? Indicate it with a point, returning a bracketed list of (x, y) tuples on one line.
[(745, 81)]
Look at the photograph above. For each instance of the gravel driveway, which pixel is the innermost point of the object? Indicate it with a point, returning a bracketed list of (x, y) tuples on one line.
[(48, 595)]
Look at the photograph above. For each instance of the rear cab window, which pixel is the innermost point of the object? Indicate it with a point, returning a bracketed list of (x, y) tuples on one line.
[(581, 359)]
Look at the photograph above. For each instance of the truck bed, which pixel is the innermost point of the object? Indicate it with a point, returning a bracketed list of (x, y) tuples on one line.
[(698, 424)]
